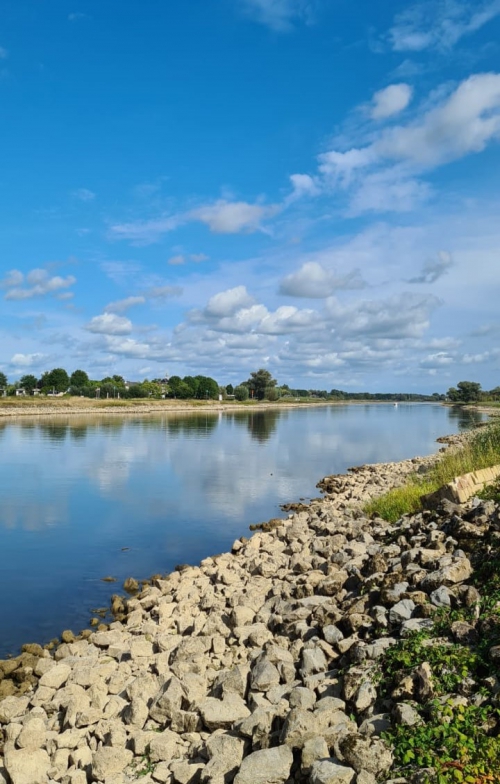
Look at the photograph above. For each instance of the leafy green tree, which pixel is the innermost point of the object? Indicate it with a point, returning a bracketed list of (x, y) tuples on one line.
[(28, 382), (79, 378), (465, 392), (135, 390), (259, 382), (470, 391), (229, 389), (272, 394), (206, 388), (241, 392), (56, 379), (3, 381)]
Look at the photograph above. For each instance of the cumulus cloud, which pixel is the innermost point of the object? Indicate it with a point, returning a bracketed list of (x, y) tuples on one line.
[(226, 217), (385, 174), (109, 324), (37, 283), (121, 305), (221, 217), (439, 24), (404, 315), (391, 100), (314, 281), (27, 360), (279, 15), (226, 303), (177, 260), (434, 268)]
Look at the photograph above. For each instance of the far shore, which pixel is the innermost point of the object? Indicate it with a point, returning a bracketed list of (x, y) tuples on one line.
[(72, 406)]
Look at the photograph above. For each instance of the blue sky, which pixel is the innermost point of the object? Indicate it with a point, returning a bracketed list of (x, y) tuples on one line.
[(216, 186)]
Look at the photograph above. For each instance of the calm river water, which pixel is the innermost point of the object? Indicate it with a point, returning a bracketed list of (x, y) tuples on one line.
[(82, 499)]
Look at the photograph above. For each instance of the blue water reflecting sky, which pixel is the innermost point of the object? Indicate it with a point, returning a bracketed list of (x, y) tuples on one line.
[(75, 492)]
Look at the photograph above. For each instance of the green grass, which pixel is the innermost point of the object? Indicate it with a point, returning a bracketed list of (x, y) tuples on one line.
[(481, 451)]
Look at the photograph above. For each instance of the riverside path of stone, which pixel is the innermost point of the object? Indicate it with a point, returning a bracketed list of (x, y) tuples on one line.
[(255, 667)]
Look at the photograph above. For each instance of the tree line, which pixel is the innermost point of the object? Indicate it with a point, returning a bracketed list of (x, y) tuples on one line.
[(259, 386), (471, 392)]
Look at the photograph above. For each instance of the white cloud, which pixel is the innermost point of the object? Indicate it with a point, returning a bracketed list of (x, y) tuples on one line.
[(384, 175), (314, 281), (404, 315), (121, 305), (303, 186), (391, 100), (226, 303), (279, 15), (164, 292), (439, 24), (177, 260), (27, 360), (37, 283), (84, 194), (146, 232), (225, 217), (109, 324), (198, 257), (434, 268)]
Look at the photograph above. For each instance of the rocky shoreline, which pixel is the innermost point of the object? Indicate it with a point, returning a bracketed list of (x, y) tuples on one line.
[(259, 666)]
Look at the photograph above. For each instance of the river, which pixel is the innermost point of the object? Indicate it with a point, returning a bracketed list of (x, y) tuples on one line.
[(87, 498)]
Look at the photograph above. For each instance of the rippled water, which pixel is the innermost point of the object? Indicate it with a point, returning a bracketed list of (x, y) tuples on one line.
[(82, 499)]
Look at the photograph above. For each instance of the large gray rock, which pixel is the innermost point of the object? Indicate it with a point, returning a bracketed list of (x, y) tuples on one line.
[(168, 700), (27, 766), (299, 726), (108, 762), (163, 747), (56, 676), (264, 676), (458, 571), (12, 707), (222, 714), (370, 754), (32, 735), (330, 771), (402, 611), (268, 766), (225, 756)]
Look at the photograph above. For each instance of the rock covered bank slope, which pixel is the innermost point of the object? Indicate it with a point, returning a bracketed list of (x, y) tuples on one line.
[(260, 666)]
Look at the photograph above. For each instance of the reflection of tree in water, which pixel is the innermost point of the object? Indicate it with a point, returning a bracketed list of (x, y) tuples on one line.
[(54, 431), (78, 432), (465, 418), (262, 424), (197, 424)]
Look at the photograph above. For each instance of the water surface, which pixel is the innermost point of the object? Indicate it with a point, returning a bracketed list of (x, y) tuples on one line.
[(86, 498)]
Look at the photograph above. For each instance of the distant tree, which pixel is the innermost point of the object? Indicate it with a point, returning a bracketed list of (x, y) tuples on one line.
[(470, 391), (3, 381), (56, 379), (272, 394), (241, 392), (28, 383), (229, 389), (493, 393), (135, 390), (192, 384), (79, 378), (207, 388), (119, 380), (260, 381)]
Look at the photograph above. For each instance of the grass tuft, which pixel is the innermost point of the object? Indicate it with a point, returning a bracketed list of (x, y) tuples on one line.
[(481, 451)]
